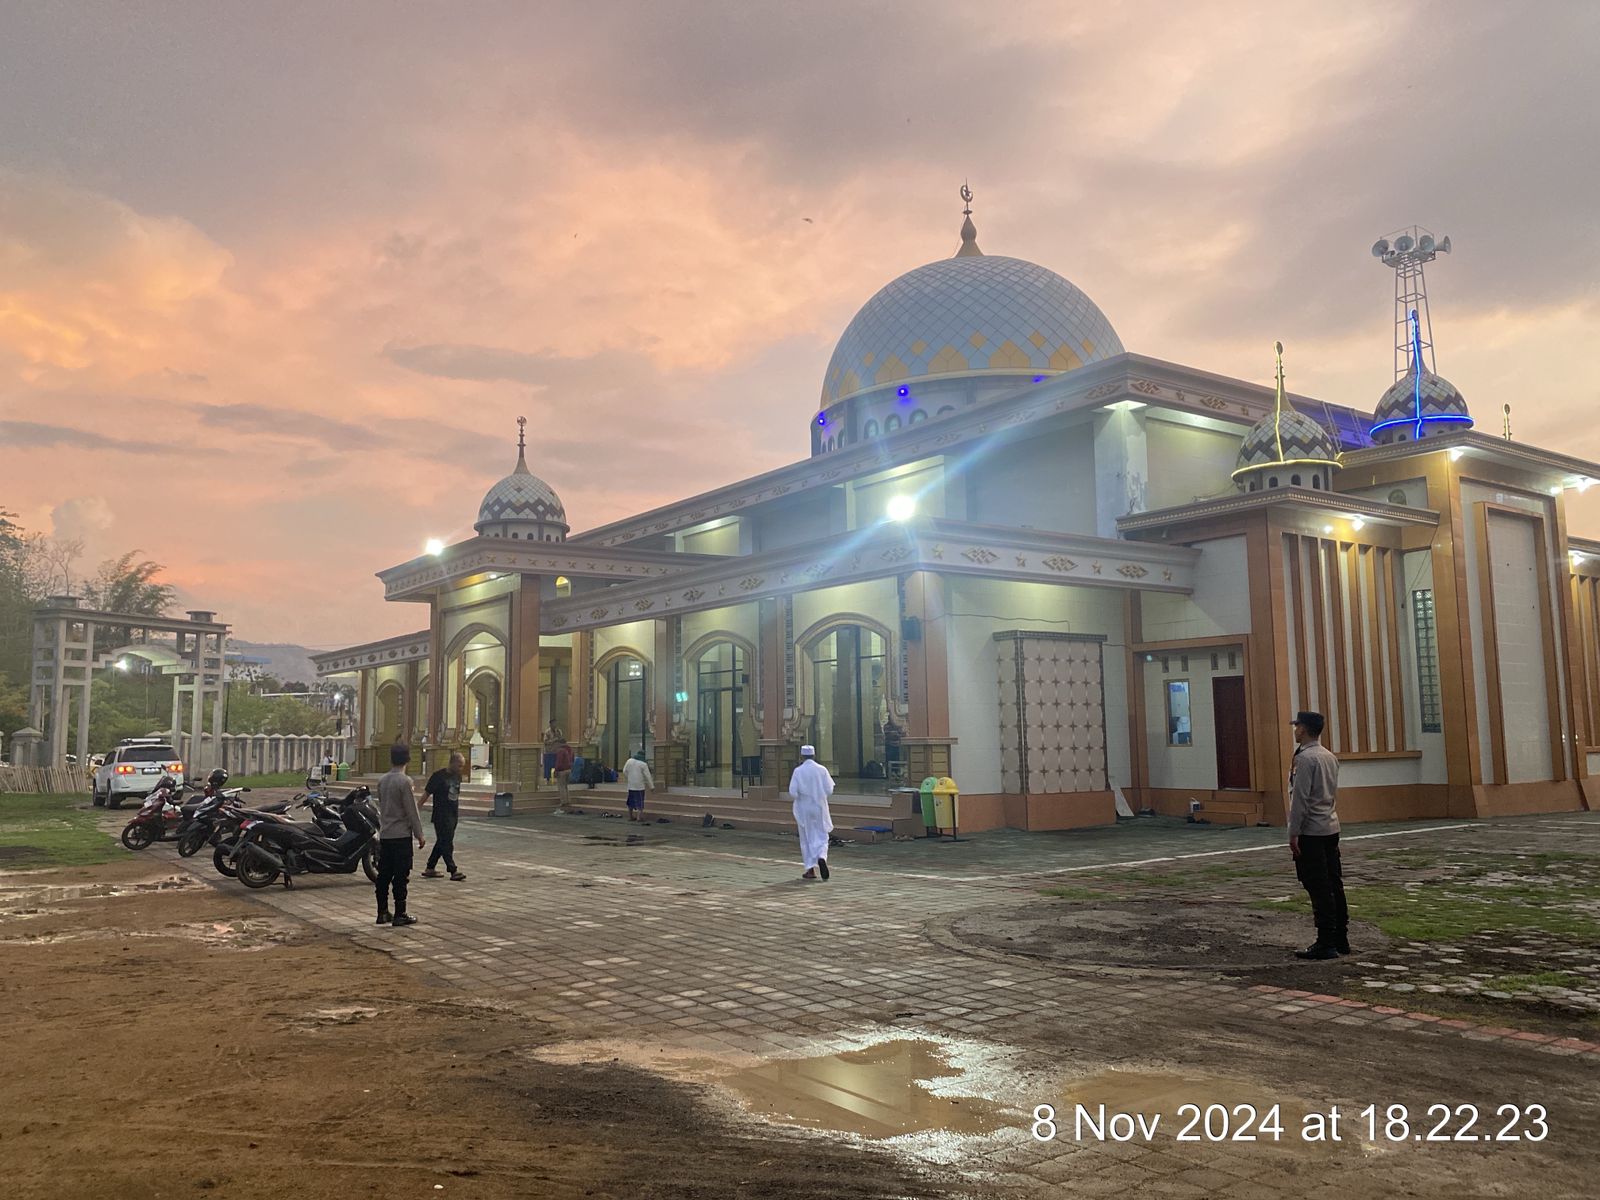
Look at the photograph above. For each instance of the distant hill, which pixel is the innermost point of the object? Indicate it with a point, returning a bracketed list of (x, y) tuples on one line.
[(291, 664)]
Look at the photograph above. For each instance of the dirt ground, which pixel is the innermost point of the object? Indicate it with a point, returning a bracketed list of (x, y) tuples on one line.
[(176, 1040)]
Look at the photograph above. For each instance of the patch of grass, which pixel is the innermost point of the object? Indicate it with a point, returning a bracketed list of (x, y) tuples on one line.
[(1075, 893), (280, 779), (51, 831), (1440, 913), (1524, 983)]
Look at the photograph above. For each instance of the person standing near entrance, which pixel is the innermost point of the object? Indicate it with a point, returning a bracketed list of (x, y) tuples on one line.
[(399, 822), (811, 785), (443, 789), (1314, 836), (563, 768), (636, 772), (553, 737)]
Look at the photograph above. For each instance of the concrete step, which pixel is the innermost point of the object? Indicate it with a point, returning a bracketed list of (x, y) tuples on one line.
[(1245, 810)]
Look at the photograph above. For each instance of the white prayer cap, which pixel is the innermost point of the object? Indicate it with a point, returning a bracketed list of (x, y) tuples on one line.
[(808, 751)]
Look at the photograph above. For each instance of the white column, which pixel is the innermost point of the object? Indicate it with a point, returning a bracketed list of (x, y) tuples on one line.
[(1121, 468)]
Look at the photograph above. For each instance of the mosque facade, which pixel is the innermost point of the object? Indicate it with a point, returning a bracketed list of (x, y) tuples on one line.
[(1023, 556)]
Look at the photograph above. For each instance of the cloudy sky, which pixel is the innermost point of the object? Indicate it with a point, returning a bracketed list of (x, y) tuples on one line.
[(276, 278)]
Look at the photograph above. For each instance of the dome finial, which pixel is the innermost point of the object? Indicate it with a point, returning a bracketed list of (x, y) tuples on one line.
[(1277, 405), (969, 231), (522, 445)]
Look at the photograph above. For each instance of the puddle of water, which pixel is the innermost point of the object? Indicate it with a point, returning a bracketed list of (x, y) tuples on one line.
[(347, 1015), (12, 896), (880, 1091)]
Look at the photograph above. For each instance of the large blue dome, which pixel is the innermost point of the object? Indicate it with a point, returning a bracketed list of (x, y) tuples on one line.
[(975, 314)]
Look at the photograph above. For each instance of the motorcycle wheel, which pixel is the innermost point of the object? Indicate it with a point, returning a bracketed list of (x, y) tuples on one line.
[(255, 875), (222, 860), (189, 844), (369, 862), (136, 835)]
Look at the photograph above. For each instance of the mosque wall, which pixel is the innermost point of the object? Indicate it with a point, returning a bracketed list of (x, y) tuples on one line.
[(1186, 462), (1416, 578), (1512, 588), (724, 539), (1046, 482), (1183, 753), (806, 518), (639, 636), (1220, 605), (742, 621), (980, 608)]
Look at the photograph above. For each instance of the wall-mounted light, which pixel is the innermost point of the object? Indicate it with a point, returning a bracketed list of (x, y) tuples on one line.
[(1456, 453), (434, 546), (1327, 529), (1584, 485), (1358, 524), (1555, 489), (681, 697)]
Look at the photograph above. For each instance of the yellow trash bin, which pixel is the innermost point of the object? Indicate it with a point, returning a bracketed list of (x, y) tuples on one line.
[(946, 796)]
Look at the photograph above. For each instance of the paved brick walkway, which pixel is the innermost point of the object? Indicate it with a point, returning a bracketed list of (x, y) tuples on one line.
[(706, 940)]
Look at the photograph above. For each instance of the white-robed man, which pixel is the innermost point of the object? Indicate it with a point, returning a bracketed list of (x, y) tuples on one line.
[(811, 785)]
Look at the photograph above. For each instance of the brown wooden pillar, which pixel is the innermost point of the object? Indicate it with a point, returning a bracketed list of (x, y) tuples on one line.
[(580, 678), (408, 704), (436, 672), (770, 649), (1269, 699), (522, 665), (927, 656)]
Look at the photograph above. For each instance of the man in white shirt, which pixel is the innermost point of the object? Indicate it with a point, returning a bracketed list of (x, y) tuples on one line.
[(636, 773), (811, 785)]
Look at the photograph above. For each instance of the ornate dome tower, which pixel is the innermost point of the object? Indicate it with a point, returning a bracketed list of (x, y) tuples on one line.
[(1419, 404), (1286, 449), (945, 334), (522, 506)]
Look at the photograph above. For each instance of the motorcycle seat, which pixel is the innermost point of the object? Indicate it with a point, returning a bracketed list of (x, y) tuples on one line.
[(282, 806)]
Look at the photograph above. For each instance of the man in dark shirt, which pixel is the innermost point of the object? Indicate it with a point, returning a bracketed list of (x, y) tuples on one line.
[(444, 791)]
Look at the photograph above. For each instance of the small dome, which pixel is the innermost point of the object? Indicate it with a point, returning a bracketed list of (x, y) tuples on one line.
[(1286, 448), (522, 507), (1441, 410), (1290, 438)]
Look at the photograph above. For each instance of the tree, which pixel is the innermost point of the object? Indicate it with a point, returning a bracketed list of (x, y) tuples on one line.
[(128, 585)]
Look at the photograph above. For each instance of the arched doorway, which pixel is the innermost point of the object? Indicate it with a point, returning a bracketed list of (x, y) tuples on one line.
[(386, 725), (484, 715), (625, 686), (725, 737), (849, 681)]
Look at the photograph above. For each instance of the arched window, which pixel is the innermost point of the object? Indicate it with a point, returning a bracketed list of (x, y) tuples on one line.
[(1316, 482), (726, 739), (891, 423), (918, 415), (849, 701), (1255, 485), (870, 429), (626, 680), (1294, 481)]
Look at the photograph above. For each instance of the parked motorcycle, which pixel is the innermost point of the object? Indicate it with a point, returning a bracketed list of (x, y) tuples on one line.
[(200, 818), (158, 817), (229, 823), (270, 850)]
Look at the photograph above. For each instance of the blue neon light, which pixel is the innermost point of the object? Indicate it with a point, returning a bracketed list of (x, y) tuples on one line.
[(1431, 417), (1418, 418), (1039, 378), (822, 419), (902, 391)]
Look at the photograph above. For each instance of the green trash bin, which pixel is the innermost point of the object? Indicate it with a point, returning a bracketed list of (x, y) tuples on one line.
[(341, 771), (930, 825)]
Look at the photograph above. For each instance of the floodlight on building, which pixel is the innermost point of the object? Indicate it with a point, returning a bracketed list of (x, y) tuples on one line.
[(434, 546), (1555, 489), (1584, 484), (1327, 529), (1456, 453), (902, 508), (1358, 524), (122, 664)]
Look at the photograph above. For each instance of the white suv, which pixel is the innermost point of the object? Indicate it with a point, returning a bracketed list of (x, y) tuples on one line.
[(131, 770)]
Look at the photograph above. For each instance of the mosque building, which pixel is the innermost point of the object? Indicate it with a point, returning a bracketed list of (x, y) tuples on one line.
[(1020, 555)]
